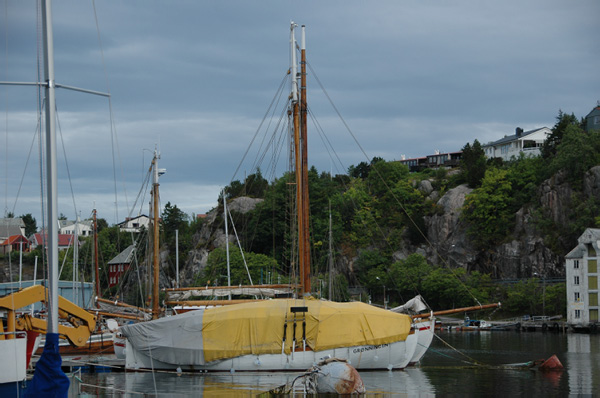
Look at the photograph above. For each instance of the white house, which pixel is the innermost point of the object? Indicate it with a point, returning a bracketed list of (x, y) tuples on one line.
[(581, 268), (527, 142), (134, 224), (84, 228)]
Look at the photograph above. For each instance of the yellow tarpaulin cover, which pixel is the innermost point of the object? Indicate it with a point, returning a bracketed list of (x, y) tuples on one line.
[(258, 328)]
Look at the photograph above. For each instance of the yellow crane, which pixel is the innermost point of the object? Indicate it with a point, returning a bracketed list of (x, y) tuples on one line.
[(77, 329)]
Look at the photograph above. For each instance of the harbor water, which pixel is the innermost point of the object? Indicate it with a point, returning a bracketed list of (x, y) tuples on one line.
[(457, 363)]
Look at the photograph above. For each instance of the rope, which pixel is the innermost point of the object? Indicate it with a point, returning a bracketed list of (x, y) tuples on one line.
[(113, 132), (470, 361), (260, 125), (390, 190)]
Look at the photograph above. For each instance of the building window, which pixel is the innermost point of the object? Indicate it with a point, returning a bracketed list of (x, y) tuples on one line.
[(577, 297), (577, 314), (593, 299), (592, 266), (576, 280), (576, 264)]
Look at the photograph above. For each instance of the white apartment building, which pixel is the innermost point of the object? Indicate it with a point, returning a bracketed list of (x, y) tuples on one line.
[(581, 267)]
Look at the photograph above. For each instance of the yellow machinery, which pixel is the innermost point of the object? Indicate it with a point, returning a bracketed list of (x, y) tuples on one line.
[(80, 325)]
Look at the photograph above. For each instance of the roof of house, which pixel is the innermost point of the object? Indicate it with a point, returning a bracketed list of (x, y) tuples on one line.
[(594, 111), (63, 239), (125, 257), (69, 223), (128, 219), (588, 236), (18, 221), (514, 137), (11, 226), (15, 239)]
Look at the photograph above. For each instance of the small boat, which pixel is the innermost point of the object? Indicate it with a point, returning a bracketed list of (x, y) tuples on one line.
[(475, 325)]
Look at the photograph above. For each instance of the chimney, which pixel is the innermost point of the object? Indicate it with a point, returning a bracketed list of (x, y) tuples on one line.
[(519, 131)]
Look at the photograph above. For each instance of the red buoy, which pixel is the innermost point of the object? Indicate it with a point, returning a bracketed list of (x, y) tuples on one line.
[(552, 363)]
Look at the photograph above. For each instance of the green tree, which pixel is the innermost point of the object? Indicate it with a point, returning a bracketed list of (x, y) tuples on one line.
[(363, 169), (173, 219), (473, 163), (487, 209), (520, 298), (576, 153), (215, 272), (563, 121), (30, 224)]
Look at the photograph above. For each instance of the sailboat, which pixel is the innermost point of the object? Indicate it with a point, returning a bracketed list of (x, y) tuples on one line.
[(48, 380), (281, 334)]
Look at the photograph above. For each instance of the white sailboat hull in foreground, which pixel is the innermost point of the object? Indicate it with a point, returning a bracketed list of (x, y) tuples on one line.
[(270, 337), (392, 356)]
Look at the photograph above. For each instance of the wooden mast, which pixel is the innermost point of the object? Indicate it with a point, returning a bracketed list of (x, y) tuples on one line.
[(96, 265), (297, 156), (304, 150), (299, 112)]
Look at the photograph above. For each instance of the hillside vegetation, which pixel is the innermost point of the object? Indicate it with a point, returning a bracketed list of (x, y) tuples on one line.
[(485, 232)]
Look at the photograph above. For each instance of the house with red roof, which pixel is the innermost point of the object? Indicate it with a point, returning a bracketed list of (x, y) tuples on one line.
[(64, 240), (15, 242)]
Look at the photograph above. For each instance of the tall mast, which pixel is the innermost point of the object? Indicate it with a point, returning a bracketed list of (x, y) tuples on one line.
[(227, 242), (155, 310), (156, 172), (75, 259), (330, 256), (51, 173), (297, 153), (96, 265), (304, 150)]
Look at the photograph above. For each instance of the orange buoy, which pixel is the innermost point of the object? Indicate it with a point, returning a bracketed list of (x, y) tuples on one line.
[(552, 363)]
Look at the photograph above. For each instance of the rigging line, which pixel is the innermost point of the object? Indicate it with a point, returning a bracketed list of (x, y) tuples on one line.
[(337, 111), (281, 85), (141, 193), (328, 146), (263, 154), (437, 253), (274, 107), (240, 246), (33, 140), (62, 141), (113, 133), (6, 111)]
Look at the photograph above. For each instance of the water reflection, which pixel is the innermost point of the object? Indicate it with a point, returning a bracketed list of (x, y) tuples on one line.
[(410, 382), (584, 363), (451, 367)]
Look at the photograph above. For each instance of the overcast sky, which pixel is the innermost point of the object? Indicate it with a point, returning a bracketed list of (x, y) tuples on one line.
[(195, 78)]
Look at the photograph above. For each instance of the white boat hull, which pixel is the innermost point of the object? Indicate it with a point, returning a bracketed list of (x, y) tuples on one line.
[(424, 329), (392, 356)]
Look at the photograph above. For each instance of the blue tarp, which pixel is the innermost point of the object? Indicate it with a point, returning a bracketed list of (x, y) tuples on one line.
[(48, 379)]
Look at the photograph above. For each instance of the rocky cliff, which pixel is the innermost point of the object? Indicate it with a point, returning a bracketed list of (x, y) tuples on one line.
[(524, 254)]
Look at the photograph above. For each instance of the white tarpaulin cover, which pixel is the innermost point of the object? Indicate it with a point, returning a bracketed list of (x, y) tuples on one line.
[(174, 339)]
